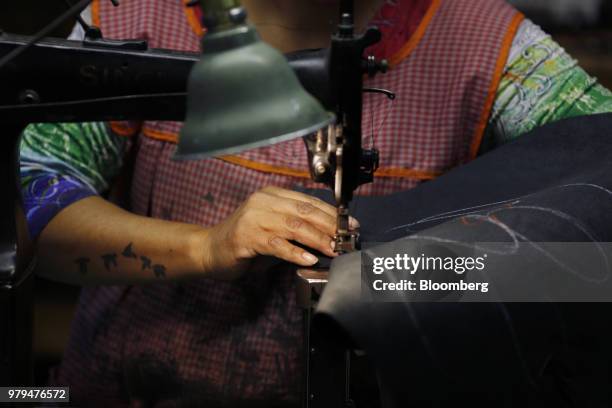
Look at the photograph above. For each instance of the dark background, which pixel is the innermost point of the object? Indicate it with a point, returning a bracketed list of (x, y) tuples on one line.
[(582, 27)]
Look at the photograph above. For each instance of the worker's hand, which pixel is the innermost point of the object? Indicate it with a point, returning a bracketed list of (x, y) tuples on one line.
[(264, 225)]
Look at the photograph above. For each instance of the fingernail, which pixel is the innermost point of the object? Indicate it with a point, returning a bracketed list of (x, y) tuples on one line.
[(310, 258), (332, 245), (353, 223)]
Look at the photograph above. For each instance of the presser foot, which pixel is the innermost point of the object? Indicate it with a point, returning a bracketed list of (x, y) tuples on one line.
[(346, 239), (346, 242)]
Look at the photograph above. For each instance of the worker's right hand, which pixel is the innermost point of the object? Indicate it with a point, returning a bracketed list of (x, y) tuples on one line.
[(264, 225)]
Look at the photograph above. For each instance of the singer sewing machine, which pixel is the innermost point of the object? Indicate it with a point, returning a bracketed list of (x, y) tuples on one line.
[(125, 80)]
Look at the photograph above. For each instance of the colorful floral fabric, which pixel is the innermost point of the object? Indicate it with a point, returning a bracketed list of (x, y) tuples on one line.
[(541, 84), (61, 164)]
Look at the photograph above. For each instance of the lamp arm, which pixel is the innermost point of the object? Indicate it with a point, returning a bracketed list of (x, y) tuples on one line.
[(222, 14)]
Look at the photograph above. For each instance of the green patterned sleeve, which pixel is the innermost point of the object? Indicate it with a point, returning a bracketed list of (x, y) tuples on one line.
[(63, 163), (541, 84)]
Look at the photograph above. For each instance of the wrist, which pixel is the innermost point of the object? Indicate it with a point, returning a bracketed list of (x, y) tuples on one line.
[(216, 262), (200, 249)]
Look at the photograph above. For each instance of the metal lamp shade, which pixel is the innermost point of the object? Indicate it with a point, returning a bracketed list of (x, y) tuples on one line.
[(242, 95)]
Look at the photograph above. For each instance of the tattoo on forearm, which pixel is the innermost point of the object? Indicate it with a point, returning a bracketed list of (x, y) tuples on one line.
[(128, 252), (159, 271), (110, 260), (82, 264), (146, 263)]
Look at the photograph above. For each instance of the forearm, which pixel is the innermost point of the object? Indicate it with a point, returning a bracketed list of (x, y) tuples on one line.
[(95, 242)]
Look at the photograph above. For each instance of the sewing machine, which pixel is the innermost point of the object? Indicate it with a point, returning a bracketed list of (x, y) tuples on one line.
[(125, 80)]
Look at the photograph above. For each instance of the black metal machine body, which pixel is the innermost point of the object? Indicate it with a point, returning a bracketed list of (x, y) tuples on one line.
[(61, 81), (99, 80)]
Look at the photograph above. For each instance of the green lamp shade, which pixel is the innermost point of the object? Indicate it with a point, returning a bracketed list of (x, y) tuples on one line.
[(243, 95)]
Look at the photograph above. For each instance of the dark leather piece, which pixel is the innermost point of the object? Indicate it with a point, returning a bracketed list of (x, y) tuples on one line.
[(513, 354)]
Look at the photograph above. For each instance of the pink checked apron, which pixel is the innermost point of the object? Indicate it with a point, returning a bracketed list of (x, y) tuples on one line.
[(208, 343)]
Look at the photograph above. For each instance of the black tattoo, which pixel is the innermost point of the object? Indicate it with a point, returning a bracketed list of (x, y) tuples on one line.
[(82, 263), (159, 271), (110, 260), (146, 263), (128, 252)]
